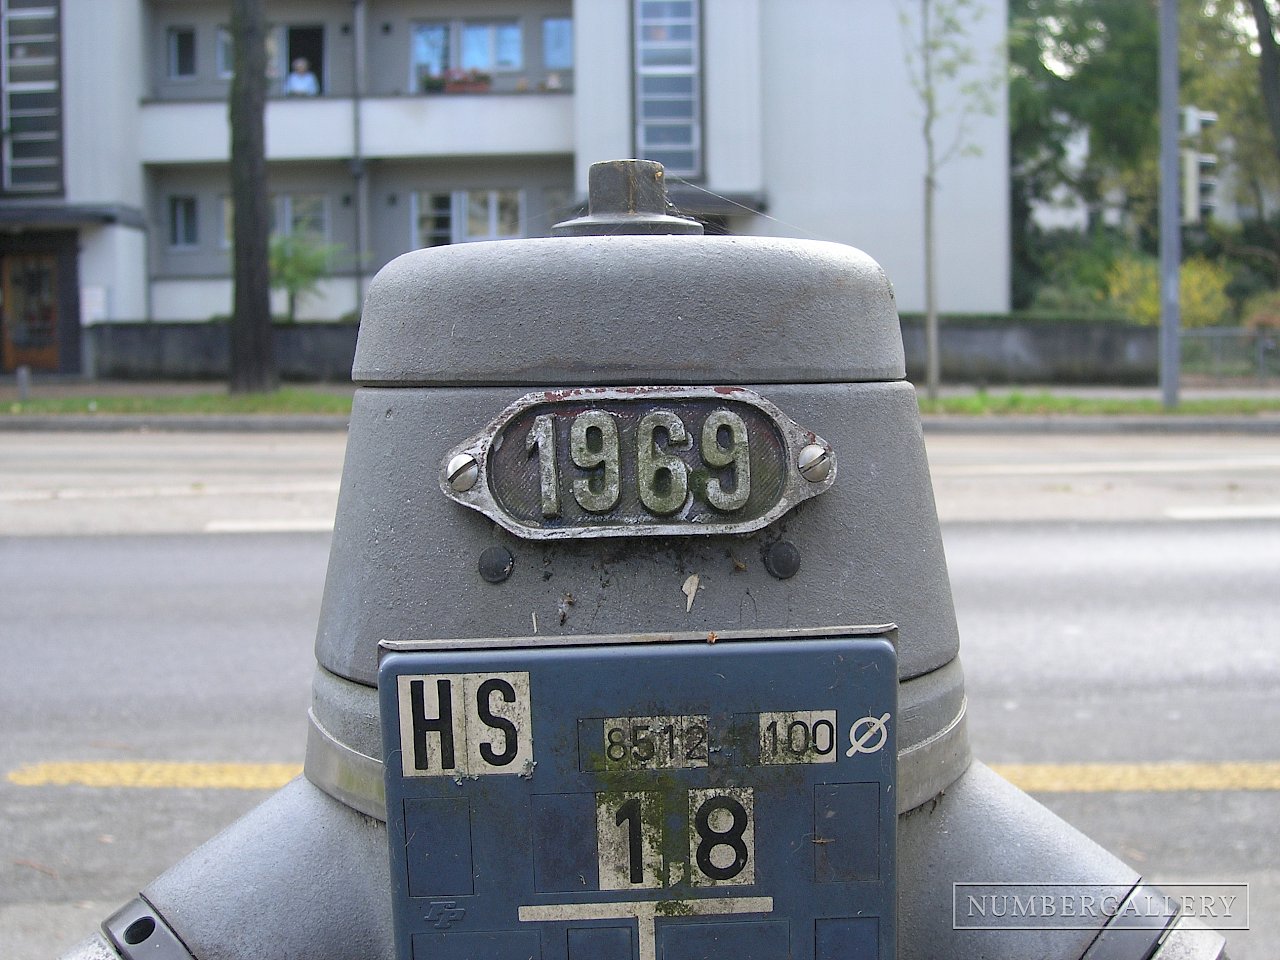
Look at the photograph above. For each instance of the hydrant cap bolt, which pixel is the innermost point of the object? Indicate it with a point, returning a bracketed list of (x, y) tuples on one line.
[(627, 197)]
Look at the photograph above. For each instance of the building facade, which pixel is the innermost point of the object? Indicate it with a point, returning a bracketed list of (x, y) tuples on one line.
[(415, 123)]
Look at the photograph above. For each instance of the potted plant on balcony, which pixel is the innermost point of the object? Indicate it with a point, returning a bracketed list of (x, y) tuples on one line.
[(466, 81)]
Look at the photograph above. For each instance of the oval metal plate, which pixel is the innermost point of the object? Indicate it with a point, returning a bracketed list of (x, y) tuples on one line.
[(614, 462)]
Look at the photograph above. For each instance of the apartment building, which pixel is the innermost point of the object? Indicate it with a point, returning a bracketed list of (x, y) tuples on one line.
[(445, 121)]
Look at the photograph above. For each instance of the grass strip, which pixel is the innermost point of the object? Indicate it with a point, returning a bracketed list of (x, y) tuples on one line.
[(287, 400), (303, 400)]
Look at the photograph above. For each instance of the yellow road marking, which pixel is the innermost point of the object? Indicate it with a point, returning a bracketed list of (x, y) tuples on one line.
[(1139, 777), (1032, 777), (200, 776)]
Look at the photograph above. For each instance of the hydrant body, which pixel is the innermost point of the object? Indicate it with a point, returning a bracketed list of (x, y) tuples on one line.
[(632, 458)]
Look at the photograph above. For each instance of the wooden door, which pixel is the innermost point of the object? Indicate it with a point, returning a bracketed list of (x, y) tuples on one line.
[(29, 285)]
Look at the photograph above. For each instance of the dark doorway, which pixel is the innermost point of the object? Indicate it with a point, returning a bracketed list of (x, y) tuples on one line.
[(39, 303), (308, 43)]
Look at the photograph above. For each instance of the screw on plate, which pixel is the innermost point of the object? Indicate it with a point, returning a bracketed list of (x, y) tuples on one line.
[(782, 559), (496, 564), (462, 472), (626, 196), (814, 462)]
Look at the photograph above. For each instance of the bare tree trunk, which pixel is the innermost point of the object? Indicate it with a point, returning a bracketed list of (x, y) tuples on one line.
[(933, 365), (933, 360), (1268, 69), (253, 364)]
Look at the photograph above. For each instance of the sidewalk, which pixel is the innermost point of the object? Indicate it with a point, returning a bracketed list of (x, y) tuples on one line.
[(71, 388)]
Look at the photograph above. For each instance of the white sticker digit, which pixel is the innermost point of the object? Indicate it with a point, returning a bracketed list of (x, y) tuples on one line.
[(629, 840)]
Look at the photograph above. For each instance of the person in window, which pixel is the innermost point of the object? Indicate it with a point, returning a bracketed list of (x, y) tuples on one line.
[(301, 82)]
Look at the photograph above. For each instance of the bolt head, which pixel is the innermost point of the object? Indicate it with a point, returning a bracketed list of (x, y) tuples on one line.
[(782, 559), (462, 472), (814, 462), (496, 564)]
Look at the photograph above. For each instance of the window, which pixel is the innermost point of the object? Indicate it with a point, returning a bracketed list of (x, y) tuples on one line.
[(30, 98), (292, 215), (435, 220), (430, 53), (493, 214), (301, 215), (304, 43), (226, 61), (184, 230), (557, 43), (182, 52), (467, 215), (464, 47), (491, 47), (668, 85)]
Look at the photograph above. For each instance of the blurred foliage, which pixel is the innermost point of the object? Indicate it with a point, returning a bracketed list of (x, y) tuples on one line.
[(1262, 310), (1083, 110), (1133, 285)]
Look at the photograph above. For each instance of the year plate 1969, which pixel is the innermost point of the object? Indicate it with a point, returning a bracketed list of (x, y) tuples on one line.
[(638, 461)]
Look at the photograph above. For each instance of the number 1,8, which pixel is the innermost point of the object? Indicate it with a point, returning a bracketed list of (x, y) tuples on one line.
[(721, 839)]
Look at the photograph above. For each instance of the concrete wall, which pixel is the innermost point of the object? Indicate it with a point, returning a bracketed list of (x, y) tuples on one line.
[(994, 351), (985, 352), (143, 351)]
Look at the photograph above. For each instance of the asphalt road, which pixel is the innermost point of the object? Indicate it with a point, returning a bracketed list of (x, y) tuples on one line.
[(1116, 596)]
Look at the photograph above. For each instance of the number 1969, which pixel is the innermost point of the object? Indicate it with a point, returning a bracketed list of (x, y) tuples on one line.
[(661, 476)]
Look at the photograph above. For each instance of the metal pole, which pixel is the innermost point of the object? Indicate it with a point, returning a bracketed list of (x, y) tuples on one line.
[(1170, 225)]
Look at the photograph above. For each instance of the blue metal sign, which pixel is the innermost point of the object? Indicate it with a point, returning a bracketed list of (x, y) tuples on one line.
[(624, 800)]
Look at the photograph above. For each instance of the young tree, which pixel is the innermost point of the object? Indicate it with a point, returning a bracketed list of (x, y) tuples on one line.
[(949, 79), (298, 264), (253, 366)]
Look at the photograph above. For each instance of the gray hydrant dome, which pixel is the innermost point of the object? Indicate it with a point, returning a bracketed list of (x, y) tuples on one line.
[(547, 311)]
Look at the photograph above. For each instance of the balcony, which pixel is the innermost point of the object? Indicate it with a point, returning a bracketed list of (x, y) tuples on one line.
[(462, 124), (196, 131), (409, 126)]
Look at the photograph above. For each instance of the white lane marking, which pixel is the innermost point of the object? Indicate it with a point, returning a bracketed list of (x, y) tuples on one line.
[(292, 525), (1104, 466), (646, 913), (175, 490), (1239, 511)]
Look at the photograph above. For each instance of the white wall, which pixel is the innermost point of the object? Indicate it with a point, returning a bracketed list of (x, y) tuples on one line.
[(602, 84), (113, 274), (844, 156), (197, 300), (733, 128), (103, 82), (191, 300)]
